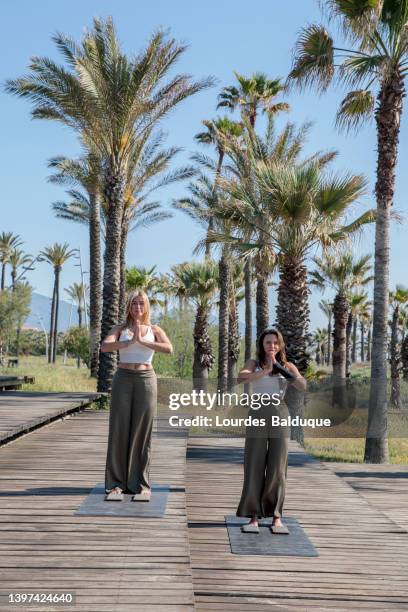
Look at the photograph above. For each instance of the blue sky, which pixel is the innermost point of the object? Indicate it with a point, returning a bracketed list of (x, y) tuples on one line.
[(222, 37)]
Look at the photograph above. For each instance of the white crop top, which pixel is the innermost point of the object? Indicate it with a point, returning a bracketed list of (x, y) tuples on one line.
[(270, 384), (136, 353)]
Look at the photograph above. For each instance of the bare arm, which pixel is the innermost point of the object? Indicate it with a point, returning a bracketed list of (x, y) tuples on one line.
[(161, 343), (111, 343), (248, 374)]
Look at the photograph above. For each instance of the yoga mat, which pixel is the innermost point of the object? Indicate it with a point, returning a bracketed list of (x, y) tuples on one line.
[(296, 544), (95, 505)]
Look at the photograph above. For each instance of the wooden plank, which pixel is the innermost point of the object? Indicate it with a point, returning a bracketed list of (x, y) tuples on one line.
[(23, 411)]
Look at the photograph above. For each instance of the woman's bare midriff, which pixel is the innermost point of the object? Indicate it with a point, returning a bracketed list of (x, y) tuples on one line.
[(135, 366)]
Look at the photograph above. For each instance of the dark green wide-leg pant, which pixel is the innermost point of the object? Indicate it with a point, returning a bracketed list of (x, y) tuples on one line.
[(132, 411), (265, 466)]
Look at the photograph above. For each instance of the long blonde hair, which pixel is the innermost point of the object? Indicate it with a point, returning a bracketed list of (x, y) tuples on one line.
[(146, 315)]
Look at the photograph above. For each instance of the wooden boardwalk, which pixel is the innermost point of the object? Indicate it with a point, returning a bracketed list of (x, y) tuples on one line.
[(363, 563), (121, 564), (23, 411), (353, 514)]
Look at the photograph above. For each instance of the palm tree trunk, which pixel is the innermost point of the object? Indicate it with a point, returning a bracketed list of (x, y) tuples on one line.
[(3, 276), (388, 116), (52, 323), (395, 362), (248, 308), (95, 289), (114, 190), (233, 338), (203, 355), (369, 343), (292, 312), (122, 298), (224, 280), (404, 358), (362, 329), (340, 315), (348, 343), (54, 348), (329, 337), (262, 303), (354, 342)]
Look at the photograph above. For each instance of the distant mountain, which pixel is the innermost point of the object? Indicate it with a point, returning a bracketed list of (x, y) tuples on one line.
[(41, 307)]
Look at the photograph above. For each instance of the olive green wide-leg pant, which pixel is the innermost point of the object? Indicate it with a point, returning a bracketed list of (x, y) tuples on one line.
[(265, 466), (132, 411)]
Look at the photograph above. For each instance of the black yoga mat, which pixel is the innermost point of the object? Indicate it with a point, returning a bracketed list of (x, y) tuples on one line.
[(296, 544), (95, 505)]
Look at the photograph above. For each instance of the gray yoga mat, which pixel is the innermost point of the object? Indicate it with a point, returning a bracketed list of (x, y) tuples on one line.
[(296, 544), (95, 505)]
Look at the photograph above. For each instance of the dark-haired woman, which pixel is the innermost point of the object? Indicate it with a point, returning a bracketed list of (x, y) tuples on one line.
[(266, 448)]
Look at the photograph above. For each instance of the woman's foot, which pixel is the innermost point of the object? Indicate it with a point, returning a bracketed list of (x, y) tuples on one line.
[(251, 527), (278, 527), (115, 494)]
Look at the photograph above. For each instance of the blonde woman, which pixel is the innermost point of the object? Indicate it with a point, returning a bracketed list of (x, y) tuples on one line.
[(133, 400)]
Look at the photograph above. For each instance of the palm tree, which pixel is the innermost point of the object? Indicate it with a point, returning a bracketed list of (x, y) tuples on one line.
[(327, 309), (8, 242), (145, 279), (201, 206), (218, 133), (397, 298), (358, 306), (377, 55), (56, 255), (365, 320), (200, 281), (342, 274), (78, 293), (18, 259), (250, 95), (236, 295), (320, 339), (86, 173), (298, 209), (109, 100)]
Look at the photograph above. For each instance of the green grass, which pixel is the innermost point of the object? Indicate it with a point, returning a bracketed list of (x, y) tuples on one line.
[(351, 450), (52, 377)]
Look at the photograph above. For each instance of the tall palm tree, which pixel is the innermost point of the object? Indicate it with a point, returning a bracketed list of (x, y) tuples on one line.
[(299, 208), (327, 308), (145, 279), (358, 306), (237, 280), (18, 259), (78, 293), (397, 298), (201, 283), (56, 255), (250, 95), (110, 100), (219, 132), (320, 339), (8, 242), (341, 273), (86, 173), (365, 321), (201, 206), (376, 56)]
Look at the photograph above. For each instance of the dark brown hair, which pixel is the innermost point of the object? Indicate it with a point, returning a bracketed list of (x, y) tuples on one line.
[(260, 351)]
